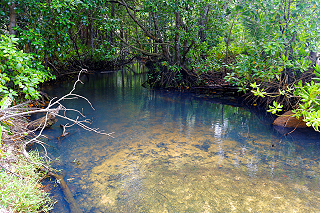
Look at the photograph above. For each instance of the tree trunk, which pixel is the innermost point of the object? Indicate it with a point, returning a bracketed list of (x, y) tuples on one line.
[(111, 32), (164, 47), (203, 20), (12, 18), (91, 33), (177, 40)]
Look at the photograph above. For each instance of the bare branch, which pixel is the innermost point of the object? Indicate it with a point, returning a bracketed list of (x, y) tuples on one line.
[(138, 23), (16, 113), (117, 2), (133, 47)]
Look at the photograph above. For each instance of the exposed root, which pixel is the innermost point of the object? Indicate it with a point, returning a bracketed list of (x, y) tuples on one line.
[(162, 77), (285, 82)]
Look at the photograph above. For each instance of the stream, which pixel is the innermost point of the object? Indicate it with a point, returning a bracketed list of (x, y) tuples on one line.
[(178, 152)]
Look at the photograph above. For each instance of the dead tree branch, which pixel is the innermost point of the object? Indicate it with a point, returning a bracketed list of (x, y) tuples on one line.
[(14, 114)]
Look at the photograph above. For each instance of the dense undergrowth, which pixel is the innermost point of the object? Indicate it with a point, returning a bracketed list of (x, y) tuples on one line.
[(21, 189)]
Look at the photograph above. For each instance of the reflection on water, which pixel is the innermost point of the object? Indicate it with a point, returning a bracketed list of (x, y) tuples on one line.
[(174, 152)]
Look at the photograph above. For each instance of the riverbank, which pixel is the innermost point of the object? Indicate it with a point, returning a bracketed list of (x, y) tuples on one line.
[(17, 163), (20, 183), (20, 180)]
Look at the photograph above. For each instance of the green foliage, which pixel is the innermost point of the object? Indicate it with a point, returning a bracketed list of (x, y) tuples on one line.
[(265, 39), (309, 104), (103, 53), (279, 36), (20, 73), (60, 31), (276, 40), (309, 108), (208, 58), (275, 108), (250, 69), (5, 102), (313, 119), (317, 72), (256, 90)]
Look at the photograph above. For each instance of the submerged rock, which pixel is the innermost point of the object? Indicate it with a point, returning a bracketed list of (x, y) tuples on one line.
[(286, 120)]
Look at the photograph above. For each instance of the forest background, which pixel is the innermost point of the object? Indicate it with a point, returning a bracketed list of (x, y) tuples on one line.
[(267, 46), (268, 49)]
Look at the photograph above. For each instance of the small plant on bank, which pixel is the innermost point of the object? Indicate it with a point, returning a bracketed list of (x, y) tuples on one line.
[(21, 190)]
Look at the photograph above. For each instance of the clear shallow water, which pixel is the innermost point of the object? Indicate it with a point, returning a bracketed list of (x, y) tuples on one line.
[(175, 152)]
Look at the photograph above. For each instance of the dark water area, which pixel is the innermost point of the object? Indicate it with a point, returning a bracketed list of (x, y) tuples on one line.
[(178, 152)]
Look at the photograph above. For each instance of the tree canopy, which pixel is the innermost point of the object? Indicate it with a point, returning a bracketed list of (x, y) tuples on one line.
[(266, 46)]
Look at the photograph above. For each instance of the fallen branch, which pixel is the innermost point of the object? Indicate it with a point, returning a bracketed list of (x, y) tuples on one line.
[(65, 189), (45, 121), (50, 111), (13, 118)]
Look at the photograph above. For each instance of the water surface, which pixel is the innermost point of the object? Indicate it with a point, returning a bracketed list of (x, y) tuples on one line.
[(175, 152)]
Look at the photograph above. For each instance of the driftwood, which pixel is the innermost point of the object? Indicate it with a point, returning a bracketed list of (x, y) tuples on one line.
[(66, 191), (46, 121)]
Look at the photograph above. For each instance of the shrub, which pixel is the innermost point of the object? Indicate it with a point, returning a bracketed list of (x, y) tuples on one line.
[(20, 73)]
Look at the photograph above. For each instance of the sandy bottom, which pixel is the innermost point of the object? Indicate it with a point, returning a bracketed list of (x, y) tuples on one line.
[(174, 172)]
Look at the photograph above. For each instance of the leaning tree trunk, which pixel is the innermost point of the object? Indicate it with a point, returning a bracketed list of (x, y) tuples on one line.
[(202, 23)]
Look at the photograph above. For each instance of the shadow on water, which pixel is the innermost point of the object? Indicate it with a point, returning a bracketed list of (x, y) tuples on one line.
[(174, 152)]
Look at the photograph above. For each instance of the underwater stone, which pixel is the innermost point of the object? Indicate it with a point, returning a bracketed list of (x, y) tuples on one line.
[(286, 120)]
